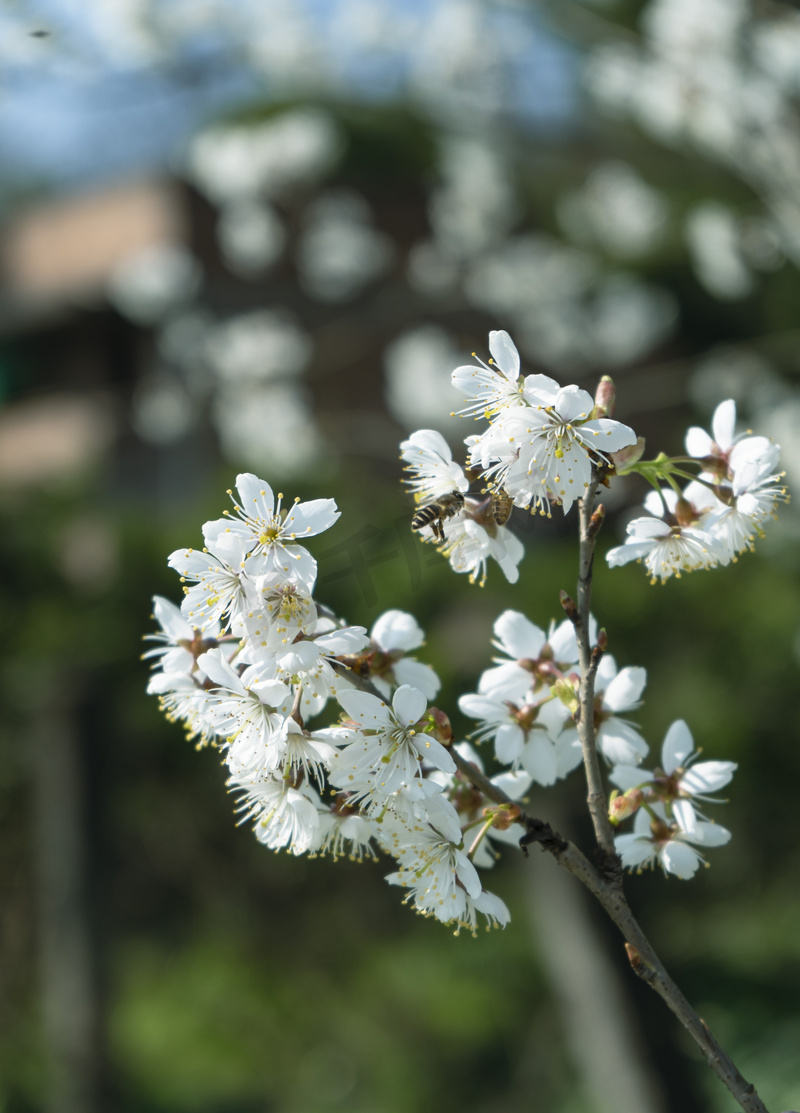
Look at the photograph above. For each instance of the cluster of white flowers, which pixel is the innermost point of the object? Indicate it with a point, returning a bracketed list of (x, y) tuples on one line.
[(717, 515), (546, 444), (668, 827), (540, 447), (526, 705), (250, 657)]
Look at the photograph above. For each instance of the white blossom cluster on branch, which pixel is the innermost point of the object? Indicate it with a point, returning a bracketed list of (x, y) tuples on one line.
[(251, 659)]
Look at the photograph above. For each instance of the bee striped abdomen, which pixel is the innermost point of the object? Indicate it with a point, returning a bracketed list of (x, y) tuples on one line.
[(502, 505), (435, 512)]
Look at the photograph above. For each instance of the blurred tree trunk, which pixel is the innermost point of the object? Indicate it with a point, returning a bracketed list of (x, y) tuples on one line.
[(599, 1027), (68, 960)]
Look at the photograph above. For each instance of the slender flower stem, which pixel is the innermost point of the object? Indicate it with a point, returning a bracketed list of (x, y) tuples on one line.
[(605, 884), (589, 659), (644, 961)]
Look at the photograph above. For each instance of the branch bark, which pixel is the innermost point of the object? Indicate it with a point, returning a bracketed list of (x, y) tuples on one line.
[(589, 658), (605, 883)]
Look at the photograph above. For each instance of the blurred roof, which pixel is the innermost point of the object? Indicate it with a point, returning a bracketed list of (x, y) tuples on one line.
[(73, 245)]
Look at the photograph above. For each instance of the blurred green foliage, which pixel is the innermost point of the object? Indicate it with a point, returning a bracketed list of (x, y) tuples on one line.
[(238, 980)]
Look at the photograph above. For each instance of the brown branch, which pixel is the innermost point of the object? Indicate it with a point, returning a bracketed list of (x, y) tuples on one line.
[(589, 658), (606, 887)]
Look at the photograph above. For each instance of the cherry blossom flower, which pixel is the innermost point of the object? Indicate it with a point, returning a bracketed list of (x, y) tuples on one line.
[(218, 589), (248, 714), (391, 637), (666, 550), (429, 460), (536, 659), (270, 533), (724, 453), (432, 864), (618, 740), (658, 840), (386, 750), (305, 661), (493, 386), (472, 535), (345, 833), (180, 646), (524, 733), (286, 818), (470, 805), (488, 904), (680, 780), (545, 453)]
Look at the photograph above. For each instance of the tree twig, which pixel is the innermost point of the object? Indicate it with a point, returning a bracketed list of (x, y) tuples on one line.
[(606, 885)]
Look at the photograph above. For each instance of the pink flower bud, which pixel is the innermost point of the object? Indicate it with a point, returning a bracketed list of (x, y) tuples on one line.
[(503, 815), (605, 398), (625, 457), (620, 807)]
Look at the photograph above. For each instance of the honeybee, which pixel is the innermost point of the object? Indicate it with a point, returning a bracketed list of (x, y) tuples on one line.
[(502, 505), (433, 515)]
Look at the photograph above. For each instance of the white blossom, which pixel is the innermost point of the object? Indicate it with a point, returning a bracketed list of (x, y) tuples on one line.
[(545, 452), (433, 471), (524, 733), (681, 779), (492, 387), (270, 533), (657, 840), (392, 636), (386, 750), (666, 550), (616, 692)]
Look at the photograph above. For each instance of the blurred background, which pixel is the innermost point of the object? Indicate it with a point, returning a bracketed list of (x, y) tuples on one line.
[(259, 235)]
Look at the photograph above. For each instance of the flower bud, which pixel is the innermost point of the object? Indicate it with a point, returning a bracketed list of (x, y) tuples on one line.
[(503, 815), (685, 512), (625, 457), (634, 958), (440, 723), (605, 398), (620, 807), (565, 691), (568, 603), (596, 520)]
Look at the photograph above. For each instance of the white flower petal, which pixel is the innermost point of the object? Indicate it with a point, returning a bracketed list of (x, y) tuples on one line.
[(624, 554), (623, 693), (723, 424), (698, 442), (305, 519), (539, 758), (397, 630), (409, 704), (418, 675), (678, 745), (514, 785), (518, 637), (685, 816), (256, 495), (634, 850), (504, 354), (678, 858), (620, 743), (711, 834), (363, 708), (628, 776), (509, 743), (707, 776)]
